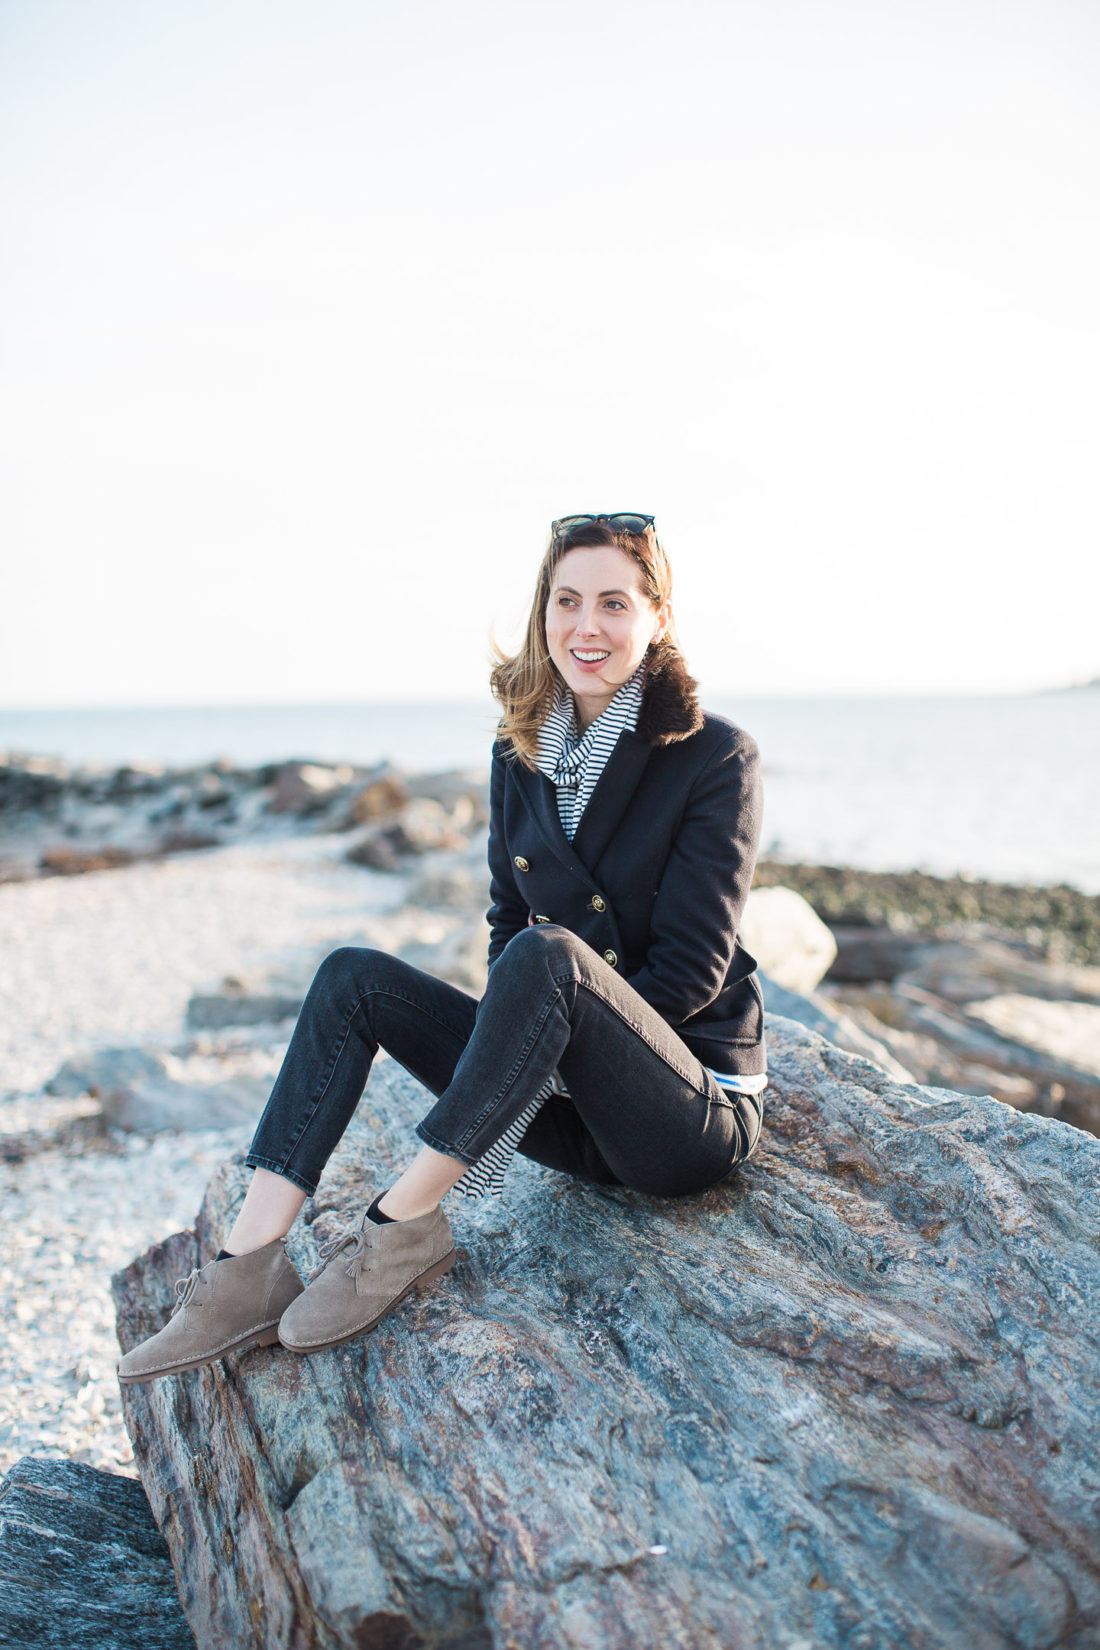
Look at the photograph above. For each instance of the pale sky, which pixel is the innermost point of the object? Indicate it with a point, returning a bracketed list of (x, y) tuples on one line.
[(317, 314)]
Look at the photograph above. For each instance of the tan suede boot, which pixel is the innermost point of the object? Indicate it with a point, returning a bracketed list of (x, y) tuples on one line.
[(224, 1306), (362, 1273)]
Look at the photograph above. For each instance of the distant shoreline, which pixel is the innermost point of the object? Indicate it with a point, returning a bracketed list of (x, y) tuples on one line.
[(59, 819)]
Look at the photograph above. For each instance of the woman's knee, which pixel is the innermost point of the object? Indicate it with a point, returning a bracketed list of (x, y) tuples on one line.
[(352, 967), (543, 945)]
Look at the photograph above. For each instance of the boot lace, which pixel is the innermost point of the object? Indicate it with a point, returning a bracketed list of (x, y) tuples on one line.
[(353, 1240), (185, 1288)]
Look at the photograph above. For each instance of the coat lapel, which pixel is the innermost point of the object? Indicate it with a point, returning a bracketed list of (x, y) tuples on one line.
[(606, 806), (542, 799)]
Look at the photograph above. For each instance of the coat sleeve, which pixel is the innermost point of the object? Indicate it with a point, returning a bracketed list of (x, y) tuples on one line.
[(507, 914), (705, 882)]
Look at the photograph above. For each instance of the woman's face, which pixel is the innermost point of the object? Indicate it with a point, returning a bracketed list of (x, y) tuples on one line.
[(599, 623)]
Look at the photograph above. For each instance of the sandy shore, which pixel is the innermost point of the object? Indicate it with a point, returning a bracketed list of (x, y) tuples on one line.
[(112, 957)]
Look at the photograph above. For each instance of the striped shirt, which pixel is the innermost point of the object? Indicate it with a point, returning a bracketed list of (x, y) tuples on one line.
[(574, 762)]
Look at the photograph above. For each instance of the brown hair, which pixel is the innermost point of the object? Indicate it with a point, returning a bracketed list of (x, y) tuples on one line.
[(524, 684)]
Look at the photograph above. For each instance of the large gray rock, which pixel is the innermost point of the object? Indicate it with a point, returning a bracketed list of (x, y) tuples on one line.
[(787, 937), (1070, 1031), (839, 1028), (164, 1106), (307, 787), (214, 1010), (453, 787), (107, 1071), (966, 971), (846, 1399), (136, 1093), (1074, 1085), (82, 1562), (876, 953)]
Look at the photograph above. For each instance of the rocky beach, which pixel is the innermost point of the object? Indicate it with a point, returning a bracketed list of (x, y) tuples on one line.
[(158, 929)]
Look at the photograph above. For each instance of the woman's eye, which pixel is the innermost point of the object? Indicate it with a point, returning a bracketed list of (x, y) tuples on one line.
[(613, 602)]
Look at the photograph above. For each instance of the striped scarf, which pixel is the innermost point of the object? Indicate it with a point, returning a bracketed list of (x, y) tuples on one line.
[(574, 761)]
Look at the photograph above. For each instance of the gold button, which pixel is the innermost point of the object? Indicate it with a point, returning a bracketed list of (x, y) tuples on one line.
[(541, 919), (521, 863), (598, 904), (611, 957)]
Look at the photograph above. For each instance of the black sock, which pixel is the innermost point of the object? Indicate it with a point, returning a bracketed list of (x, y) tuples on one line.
[(374, 1212), (223, 1254)]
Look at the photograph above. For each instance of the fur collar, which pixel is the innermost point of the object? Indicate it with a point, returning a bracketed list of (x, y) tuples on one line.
[(670, 711)]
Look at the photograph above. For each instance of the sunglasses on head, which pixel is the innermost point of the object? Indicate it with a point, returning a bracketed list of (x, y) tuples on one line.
[(621, 523)]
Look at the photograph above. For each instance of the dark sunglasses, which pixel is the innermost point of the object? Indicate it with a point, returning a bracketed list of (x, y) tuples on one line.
[(622, 523)]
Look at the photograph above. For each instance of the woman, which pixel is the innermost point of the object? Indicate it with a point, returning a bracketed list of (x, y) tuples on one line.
[(621, 1034)]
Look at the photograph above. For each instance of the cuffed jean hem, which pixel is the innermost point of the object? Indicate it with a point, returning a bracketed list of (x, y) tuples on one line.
[(303, 1185), (438, 1145)]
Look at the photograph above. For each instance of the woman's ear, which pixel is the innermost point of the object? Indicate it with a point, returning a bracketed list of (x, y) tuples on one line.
[(664, 614)]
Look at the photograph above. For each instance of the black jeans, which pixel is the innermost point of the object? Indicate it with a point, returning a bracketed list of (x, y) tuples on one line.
[(641, 1110)]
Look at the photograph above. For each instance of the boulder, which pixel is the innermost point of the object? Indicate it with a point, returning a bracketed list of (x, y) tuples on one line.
[(843, 1029), (845, 1399), (32, 1124), (1069, 1031), (787, 937), (163, 1106), (180, 840), (82, 1562), (426, 825), (808, 1010), (213, 1010), (307, 787), (967, 971), (136, 1092), (423, 827), (380, 799), (870, 953), (107, 1071), (375, 851), (1072, 1088), (465, 790)]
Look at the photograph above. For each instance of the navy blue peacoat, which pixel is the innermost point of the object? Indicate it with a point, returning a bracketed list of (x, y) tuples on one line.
[(657, 875)]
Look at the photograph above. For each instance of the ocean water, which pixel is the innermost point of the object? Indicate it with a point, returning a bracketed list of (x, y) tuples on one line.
[(1006, 787)]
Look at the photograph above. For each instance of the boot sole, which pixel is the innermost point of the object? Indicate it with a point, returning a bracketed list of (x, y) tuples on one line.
[(422, 1278), (263, 1337)]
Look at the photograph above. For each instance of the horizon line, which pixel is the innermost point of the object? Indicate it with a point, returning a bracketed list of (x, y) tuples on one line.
[(487, 701)]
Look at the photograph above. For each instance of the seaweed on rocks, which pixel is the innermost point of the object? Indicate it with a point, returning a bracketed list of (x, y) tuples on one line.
[(1056, 924)]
